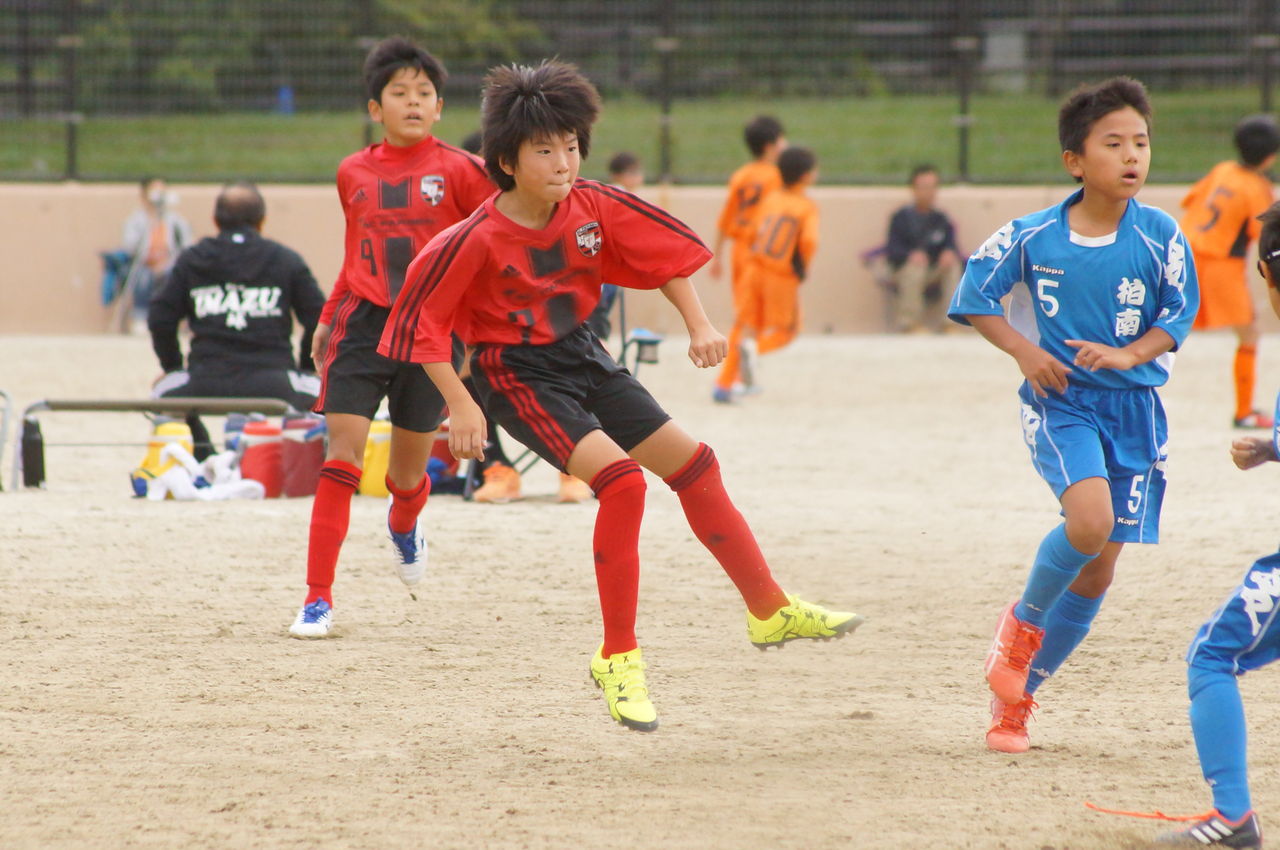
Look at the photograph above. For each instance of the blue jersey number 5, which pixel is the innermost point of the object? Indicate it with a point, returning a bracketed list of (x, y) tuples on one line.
[(1048, 302)]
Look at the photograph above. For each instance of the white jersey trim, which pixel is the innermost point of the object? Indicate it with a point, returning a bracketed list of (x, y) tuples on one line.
[(1092, 241)]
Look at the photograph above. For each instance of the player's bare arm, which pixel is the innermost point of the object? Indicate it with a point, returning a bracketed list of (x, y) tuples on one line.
[(707, 346), (319, 342), (1041, 369), (1248, 452), (467, 430), (1096, 355)]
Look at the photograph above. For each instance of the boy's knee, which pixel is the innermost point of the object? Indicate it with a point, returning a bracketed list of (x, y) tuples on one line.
[(1205, 669), (1090, 531)]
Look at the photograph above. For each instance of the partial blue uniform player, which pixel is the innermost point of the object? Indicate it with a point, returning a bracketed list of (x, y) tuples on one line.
[(1242, 635), (1101, 291)]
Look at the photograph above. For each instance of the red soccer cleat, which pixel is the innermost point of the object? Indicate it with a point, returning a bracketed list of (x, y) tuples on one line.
[(1009, 659), (1008, 732)]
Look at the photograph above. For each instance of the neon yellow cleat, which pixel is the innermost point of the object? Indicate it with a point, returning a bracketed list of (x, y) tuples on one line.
[(621, 677), (800, 619)]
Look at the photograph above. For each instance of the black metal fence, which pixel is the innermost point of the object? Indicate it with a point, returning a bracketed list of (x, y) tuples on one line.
[(107, 89)]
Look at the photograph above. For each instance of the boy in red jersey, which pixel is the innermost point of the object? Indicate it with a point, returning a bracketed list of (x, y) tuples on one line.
[(516, 281), (396, 195)]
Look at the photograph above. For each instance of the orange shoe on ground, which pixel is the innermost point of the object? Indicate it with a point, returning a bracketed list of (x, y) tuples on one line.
[(501, 485), (1009, 659), (1008, 732), (573, 489)]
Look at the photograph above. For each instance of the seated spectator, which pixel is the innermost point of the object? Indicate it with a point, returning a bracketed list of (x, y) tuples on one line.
[(154, 235), (924, 263), (238, 293)]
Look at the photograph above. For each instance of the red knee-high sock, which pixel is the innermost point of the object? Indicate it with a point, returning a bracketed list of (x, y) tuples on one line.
[(721, 528), (1244, 369), (620, 489), (407, 504), (330, 516)]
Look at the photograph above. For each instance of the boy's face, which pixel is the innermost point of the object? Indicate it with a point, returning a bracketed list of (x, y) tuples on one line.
[(410, 107), (545, 169), (631, 179), (1116, 155), (924, 189)]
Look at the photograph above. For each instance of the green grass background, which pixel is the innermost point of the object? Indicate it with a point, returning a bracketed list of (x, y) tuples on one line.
[(1013, 139)]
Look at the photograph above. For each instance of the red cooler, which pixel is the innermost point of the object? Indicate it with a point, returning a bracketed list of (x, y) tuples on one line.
[(262, 456)]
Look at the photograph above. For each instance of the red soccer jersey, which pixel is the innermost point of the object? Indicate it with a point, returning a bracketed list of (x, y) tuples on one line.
[(493, 281), (395, 200)]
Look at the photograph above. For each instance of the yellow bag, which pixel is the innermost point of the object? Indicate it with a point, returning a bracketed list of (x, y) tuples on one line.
[(377, 454), (151, 466)]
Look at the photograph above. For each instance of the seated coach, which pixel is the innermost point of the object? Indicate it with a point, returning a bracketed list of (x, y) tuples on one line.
[(239, 293)]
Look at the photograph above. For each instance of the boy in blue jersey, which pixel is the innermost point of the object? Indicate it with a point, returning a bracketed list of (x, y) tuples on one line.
[(1242, 635), (1102, 290)]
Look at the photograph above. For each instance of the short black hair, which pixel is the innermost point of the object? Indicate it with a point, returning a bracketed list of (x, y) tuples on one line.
[(391, 55), (622, 162), (760, 132), (1269, 242), (794, 163), (147, 181), (473, 142), (922, 168), (239, 206), (523, 102), (1257, 137), (1085, 106)]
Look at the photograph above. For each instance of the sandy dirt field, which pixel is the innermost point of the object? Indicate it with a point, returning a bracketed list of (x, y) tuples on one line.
[(150, 696)]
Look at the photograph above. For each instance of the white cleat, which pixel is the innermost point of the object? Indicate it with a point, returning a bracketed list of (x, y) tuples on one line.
[(410, 555), (313, 621)]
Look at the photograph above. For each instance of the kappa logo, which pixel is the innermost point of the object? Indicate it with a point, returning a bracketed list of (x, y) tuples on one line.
[(432, 189), (996, 244), (589, 238), (1030, 424), (1260, 598)]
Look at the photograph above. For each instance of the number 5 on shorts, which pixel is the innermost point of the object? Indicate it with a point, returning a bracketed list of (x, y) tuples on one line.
[(1136, 501)]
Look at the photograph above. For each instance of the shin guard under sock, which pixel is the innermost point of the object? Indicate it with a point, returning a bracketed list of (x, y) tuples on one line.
[(330, 516), (620, 489), (721, 528)]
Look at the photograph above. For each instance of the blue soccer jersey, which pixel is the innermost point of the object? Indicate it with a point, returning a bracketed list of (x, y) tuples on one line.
[(1110, 289)]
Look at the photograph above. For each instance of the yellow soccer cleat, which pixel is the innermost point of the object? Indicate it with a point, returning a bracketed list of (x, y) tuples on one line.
[(800, 619), (621, 677)]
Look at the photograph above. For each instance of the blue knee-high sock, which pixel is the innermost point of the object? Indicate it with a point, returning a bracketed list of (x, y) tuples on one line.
[(1057, 565), (1217, 722), (1068, 622)]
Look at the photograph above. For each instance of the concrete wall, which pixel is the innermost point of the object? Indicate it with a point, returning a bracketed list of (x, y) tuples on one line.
[(52, 233)]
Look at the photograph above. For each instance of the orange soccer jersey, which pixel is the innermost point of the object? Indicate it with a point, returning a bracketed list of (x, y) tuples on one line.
[(1220, 220), (786, 236), (747, 188)]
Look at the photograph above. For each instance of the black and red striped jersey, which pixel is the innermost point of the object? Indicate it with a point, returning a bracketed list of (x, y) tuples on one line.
[(395, 200), (493, 281)]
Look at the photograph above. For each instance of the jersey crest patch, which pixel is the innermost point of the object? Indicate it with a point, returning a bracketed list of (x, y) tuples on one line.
[(432, 189), (589, 238)]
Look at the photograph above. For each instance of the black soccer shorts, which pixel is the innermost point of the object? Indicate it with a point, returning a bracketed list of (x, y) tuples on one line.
[(551, 396), (357, 378)]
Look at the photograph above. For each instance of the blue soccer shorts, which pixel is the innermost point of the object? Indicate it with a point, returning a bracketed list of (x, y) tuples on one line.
[(1119, 435), (1244, 633)]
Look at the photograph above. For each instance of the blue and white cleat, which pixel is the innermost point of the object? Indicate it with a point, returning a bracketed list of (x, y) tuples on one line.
[(313, 621), (410, 554)]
